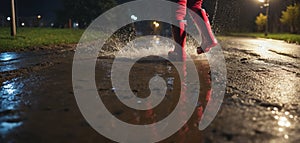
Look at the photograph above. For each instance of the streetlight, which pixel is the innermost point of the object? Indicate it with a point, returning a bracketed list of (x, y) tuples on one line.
[(133, 17), (267, 5), (39, 17), (156, 24), (13, 19)]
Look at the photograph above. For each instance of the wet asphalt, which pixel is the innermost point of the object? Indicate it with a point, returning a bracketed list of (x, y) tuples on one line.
[(261, 102)]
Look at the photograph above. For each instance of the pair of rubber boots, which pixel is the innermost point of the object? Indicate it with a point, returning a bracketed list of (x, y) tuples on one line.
[(201, 21)]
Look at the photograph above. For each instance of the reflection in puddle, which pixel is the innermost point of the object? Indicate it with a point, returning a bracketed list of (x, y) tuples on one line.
[(11, 61), (175, 87), (262, 50), (284, 121), (9, 90), (7, 56), (7, 126), (170, 82), (9, 104), (5, 60)]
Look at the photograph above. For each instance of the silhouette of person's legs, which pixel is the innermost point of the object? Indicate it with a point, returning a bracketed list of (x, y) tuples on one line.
[(200, 19)]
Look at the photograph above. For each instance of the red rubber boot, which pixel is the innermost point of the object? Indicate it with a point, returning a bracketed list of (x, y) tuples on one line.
[(204, 27)]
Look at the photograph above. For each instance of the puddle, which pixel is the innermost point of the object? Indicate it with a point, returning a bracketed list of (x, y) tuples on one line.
[(12, 101), (10, 61), (8, 56), (9, 94), (7, 126)]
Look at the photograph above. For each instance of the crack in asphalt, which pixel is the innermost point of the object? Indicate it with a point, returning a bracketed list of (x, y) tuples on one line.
[(284, 54)]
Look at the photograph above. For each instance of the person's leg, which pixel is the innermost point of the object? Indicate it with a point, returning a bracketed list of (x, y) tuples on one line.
[(179, 36), (203, 25), (179, 33)]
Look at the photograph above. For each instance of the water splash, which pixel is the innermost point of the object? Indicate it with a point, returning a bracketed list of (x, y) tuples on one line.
[(143, 46), (215, 13)]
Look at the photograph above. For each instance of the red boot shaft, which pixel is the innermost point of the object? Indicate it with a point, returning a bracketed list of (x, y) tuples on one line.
[(204, 27), (200, 18)]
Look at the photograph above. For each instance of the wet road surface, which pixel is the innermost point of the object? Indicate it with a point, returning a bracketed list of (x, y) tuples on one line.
[(262, 99), (261, 103)]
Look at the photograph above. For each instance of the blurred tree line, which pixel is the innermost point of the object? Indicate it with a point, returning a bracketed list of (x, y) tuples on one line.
[(240, 15), (261, 21), (290, 19), (82, 12), (225, 15)]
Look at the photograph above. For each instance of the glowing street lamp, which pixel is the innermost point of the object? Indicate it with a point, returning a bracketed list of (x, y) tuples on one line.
[(267, 5), (39, 17), (156, 24), (133, 17)]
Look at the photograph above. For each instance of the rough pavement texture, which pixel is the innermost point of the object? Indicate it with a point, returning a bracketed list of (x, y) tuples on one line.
[(261, 103)]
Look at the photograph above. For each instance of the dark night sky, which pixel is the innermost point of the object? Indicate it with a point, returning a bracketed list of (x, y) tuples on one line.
[(25, 8), (48, 7)]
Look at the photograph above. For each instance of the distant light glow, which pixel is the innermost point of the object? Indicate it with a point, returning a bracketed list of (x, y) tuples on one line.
[(286, 136), (22, 24), (261, 0), (8, 18), (156, 24), (39, 16), (283, 122), (286, 113), (133, 17)]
